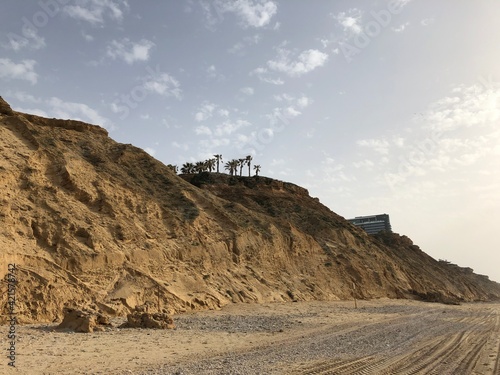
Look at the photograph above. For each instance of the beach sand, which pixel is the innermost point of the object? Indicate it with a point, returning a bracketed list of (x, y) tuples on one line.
[(378, 337)]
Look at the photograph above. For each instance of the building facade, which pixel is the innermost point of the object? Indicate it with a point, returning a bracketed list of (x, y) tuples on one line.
[(373, 224)]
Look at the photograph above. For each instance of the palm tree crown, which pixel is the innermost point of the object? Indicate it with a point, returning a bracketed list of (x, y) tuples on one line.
[(257, 169), (210, 164), (218, 157), (187, 168), (249, 162)]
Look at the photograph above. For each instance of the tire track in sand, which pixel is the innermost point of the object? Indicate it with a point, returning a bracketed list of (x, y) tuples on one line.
[(474, 348)]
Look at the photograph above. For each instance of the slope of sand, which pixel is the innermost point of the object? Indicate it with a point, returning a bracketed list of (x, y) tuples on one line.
[(379, 337), (92, 222)]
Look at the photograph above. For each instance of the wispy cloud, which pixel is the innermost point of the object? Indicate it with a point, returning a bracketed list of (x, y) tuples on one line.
[(24, 97), (458, 132), (247, 90), (213, 73), (252, 13), (75, 111), (229, 127), (129, 51), (95, 11), (304, 63), (264, 75), (240, 48), (24, 70), (29, 39), (205, 111), (163, 84), (58, 108), (350, 20)]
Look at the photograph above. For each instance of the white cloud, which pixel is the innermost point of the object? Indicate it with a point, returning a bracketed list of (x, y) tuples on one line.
[(129, 51), (33, 111), (458, 133), (24, 97), (283, 97), (247, 90), (470, 106), (399, 141), (205, 111), (223, 112), (25, 70), (208, 110), (212, 73), (202, 130), (209, 8), (281, 116), (252, 13), (334, 172), (240, 47), (210, 144), (350, 20), (87, 37), (291, 112), (28, 39), (58, 108), (163, 84), (95, 11), (303, 102), (264, 76), (76, 111), (237, 49), (229, 127), (306, 62), (253, 39)]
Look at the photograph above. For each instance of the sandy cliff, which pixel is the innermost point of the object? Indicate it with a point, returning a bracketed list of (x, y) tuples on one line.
[(90, 221)]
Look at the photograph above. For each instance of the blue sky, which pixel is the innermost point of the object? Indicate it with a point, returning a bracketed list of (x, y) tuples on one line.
[(374, 106)]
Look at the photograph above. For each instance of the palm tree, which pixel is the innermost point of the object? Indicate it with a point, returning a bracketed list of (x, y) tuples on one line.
[(232, 166), (249, 162), (173, 168), (210, 163), (241, 164), (229, 167), (187, 168), (218, 157), (200, 166), (257, 169)]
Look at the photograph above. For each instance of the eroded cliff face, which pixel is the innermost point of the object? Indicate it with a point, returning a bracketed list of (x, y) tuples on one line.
[(90, 221)]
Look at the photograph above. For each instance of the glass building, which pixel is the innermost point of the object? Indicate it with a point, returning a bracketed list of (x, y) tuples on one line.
[(373, 224)]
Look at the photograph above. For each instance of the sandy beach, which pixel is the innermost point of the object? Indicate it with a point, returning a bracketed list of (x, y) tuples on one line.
[(379, 337)]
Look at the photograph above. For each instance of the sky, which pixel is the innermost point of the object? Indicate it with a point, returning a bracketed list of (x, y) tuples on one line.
[(373, 106)]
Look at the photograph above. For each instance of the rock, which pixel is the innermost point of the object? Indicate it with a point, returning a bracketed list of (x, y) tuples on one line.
[(139, 319), (84, 321)]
